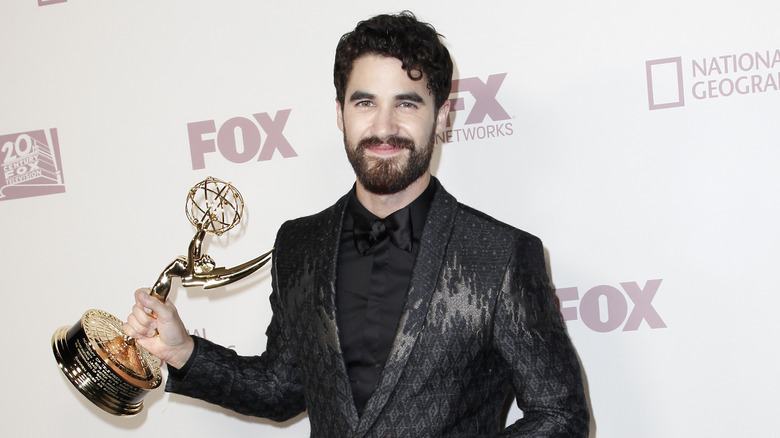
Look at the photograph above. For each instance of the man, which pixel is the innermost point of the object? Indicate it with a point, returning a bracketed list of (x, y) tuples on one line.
[(397, 311)]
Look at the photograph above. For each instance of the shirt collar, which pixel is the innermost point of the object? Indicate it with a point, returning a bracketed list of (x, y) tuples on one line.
[(418, 208)]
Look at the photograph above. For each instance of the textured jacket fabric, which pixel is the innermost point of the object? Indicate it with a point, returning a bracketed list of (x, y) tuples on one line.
[(479, 324)]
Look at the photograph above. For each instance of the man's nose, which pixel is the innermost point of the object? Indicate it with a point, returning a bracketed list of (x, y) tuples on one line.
[(385, 123)]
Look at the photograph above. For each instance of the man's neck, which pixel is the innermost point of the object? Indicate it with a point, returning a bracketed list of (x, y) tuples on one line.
[(384, 205)]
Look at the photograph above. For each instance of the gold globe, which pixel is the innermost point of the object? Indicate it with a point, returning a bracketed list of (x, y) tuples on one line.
[(214, 205)]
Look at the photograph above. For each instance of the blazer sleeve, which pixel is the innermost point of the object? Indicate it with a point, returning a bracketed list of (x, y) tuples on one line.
[(530, 336), (265, 386)]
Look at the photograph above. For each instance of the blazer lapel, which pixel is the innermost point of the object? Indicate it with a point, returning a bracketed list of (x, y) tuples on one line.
[(428, 265), (333, 381)]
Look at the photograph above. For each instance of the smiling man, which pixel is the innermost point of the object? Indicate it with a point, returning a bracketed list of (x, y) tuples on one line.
[(389, 133), (397, 311)]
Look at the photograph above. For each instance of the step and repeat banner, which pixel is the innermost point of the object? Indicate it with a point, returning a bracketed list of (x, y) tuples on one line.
[(639, 140)]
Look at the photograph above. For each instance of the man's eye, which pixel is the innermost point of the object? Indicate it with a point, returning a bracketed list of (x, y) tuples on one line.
[(407, 105), (364, 103)]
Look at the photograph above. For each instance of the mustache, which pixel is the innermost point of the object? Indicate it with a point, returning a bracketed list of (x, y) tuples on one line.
[(393, 140)]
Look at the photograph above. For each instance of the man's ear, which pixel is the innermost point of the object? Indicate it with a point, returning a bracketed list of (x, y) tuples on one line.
[(339, 116), (442, 116)]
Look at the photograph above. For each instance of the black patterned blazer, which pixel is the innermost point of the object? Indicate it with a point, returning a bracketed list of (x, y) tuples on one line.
[(479, 324)]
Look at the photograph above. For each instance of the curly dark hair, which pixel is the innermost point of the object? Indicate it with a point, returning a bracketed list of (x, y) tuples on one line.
[(400, 36)]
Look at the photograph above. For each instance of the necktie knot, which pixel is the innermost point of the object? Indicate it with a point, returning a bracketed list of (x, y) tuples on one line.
[(397, 227)]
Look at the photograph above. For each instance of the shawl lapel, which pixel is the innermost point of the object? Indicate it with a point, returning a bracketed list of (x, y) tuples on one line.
[(427, 267), (325, 279)]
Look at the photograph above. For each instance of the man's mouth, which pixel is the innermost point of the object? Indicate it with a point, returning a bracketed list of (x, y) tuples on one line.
[(385, 149), (389, 146)]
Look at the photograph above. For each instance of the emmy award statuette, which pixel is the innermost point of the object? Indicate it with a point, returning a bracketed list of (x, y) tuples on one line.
[(106, 365)]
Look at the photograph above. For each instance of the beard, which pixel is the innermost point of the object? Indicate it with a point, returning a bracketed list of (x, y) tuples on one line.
[(385, 176)]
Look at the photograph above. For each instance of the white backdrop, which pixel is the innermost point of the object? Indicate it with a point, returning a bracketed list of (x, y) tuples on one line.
[(639, 140)]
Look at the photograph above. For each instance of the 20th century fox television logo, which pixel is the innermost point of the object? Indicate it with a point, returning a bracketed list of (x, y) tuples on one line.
[(31, 165)]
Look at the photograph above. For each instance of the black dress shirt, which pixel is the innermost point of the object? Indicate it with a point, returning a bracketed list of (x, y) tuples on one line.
[(371, 291)]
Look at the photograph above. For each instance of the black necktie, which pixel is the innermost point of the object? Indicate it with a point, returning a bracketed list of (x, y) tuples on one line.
[(397, 226)]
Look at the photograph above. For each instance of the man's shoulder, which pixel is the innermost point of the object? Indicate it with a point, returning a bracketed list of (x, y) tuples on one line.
[(474, 219), (478, 233), (307, 226)]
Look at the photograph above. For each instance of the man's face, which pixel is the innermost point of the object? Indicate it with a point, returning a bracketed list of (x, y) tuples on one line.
[(389, 124)]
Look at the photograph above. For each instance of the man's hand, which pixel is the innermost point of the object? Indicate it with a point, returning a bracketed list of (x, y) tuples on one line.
[(156, 326)]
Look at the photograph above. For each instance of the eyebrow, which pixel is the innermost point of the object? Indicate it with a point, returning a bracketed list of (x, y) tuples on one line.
[(360, 95), (411, 97)]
